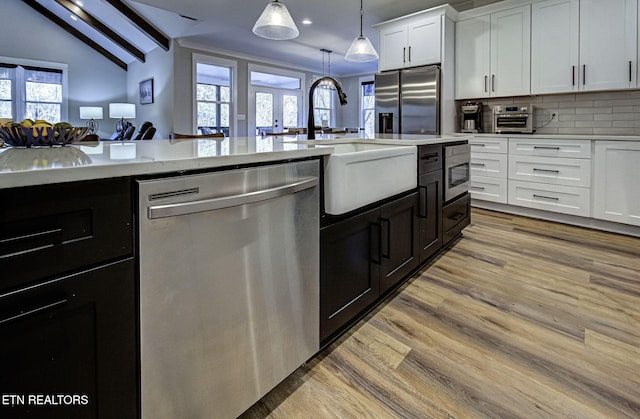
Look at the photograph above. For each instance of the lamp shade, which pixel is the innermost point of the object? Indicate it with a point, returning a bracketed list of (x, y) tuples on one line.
[(122, 110), (91, 112), (361, 50), (276, 23)]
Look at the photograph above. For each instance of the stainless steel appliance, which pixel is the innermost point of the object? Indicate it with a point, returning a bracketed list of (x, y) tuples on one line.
[(229, 287), (471, 117), (513, 119), (457, 157), (408, 101)]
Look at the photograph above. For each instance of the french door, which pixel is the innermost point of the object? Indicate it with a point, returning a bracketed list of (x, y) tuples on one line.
[(276, 110)]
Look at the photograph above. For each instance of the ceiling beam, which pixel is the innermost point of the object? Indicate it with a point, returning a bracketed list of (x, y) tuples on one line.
[(102, 28), (73, 31), (141, 23)]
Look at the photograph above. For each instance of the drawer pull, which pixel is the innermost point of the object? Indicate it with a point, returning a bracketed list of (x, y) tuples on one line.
[(545, 147), (552, 198), (478, 164), (430, 156), (546, 170), (478, 145), (477, 188), (458, 216)]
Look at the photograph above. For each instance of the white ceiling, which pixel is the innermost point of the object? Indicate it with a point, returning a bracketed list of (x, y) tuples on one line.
[(226, 25)]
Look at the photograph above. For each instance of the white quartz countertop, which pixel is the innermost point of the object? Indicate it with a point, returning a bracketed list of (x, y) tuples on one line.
[(105, 159), (559, 137)]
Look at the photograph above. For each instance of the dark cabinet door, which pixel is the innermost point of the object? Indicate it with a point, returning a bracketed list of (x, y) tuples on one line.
[(456, 216), (73, 340), (399, 240), (430, 189), (349, 270)]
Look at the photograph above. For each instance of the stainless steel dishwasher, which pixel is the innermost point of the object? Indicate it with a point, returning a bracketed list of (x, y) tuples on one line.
[(229, 286)]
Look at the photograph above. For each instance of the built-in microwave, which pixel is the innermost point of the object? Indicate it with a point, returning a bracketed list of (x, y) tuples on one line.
[(457, 173), (513, 119)]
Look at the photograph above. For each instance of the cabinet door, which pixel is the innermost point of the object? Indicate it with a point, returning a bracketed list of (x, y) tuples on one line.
[(473, 58), (511, 52), (554, 46), (430, 189), (399, 240), (424, 42), (74, 335), (616, 180), (349, 270), (393, 48), (608, 40)]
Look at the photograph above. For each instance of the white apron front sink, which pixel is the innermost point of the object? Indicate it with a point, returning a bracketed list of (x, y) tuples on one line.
[(358, 174)]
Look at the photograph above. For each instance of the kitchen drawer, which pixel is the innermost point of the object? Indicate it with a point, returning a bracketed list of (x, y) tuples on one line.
[(555, 171), (456, 216), (488, 164), (551, 147), (488, 189), (564, 199), (429, 158), (490, 145)]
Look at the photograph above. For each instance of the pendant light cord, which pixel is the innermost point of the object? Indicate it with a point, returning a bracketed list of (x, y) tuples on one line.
[(361, 14)]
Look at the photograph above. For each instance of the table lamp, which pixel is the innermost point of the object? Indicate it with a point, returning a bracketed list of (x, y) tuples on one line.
[(91, 113), (122, 111)]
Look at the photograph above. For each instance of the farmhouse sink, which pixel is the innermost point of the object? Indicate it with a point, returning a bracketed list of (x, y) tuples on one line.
[(358, 174)]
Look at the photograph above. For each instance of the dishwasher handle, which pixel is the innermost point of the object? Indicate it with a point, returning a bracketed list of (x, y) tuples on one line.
[(192, 207)]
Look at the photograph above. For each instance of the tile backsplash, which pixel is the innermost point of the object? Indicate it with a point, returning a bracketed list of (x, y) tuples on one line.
[(591, 113)]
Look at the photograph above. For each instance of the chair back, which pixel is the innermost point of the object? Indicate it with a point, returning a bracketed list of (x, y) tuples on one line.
[(149, 133)]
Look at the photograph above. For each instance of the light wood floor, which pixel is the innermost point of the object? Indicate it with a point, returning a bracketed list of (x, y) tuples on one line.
[(520, 318)]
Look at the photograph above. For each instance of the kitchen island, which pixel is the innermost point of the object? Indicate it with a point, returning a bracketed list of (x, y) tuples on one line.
[(75, 213)]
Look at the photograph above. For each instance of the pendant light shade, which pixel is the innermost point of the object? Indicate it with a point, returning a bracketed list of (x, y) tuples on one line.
[(276, 23), (361, 49)]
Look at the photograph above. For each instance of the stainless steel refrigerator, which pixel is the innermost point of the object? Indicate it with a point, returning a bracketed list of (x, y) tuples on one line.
[(408, 101)]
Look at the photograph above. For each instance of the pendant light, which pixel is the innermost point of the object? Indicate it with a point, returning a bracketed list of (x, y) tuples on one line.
[(276, 23), (361, 49)]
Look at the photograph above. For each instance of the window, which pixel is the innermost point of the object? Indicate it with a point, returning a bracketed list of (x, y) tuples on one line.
[(30, 92), (323, 105), (213, 98), (368, 108)]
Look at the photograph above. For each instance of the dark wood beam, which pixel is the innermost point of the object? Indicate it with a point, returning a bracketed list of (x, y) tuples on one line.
[(141, 23), (102, 28), (73, 31)]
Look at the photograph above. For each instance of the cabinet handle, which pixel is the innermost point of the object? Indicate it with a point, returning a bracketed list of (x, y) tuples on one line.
[(457, 216), (477, 188), (477, 164), (385, 237), (485, 83), (477, 144), (404, 54), (552, 198), (493, 82), (409, 54), (374, 249), (630, 71), (540, 147), (584, 74), (30, 311), (573, 75), (546, 170), (422, 211)]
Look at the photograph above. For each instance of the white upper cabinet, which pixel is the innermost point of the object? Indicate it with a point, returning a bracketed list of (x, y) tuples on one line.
[(554, 46), (501, 39), (608, 44), (582, 45), (410, 43)]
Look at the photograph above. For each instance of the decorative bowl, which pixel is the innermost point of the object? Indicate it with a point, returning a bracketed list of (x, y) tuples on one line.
[(18, 136)]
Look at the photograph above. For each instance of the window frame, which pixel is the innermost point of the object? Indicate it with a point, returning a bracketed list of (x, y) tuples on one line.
[(233, 86), (362, 81), (18, 88)]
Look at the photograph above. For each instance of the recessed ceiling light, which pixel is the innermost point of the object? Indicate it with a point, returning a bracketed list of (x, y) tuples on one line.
[(307, 22), (73, 17)]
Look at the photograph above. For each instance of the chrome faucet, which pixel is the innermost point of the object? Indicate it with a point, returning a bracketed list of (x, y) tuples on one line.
[(311, 123)]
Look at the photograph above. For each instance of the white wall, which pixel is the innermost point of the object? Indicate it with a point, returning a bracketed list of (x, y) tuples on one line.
[(158, 66), (93, 80)]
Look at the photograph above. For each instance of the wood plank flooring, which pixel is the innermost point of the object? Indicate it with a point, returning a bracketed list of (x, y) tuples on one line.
[(520, 318)]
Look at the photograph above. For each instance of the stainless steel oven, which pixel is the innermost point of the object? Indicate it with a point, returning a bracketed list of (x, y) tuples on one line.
[(513, 119), (456, 170)]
